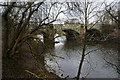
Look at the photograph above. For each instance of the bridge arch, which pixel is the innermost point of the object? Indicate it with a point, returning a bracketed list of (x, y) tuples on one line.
[(71, 34)]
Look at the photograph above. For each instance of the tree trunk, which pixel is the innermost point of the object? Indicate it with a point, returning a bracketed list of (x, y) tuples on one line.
[(6, 27), (84, 44)]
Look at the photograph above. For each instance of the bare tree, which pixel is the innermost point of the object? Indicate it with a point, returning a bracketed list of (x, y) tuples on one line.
[(85, 11), (114, 6), (21, 18)]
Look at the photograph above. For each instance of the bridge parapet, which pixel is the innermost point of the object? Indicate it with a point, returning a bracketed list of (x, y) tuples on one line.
[(60, 27)]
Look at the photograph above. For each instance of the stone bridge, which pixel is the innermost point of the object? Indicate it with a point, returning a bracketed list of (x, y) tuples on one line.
[(75, 27), (72, 31), (76, 32)]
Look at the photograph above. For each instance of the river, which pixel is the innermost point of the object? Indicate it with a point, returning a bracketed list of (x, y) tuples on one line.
[(97, 64)]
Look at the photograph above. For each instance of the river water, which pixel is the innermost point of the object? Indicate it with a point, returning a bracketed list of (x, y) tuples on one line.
[(99, 63)]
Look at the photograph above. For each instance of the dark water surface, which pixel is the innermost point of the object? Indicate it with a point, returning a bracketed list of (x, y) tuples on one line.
[(97, 64)]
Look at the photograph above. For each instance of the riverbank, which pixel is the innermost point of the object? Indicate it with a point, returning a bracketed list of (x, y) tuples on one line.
[(26, 64), (109, 43), (25, 67)]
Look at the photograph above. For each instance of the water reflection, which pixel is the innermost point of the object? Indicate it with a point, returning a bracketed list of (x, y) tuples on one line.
[(95, 65)]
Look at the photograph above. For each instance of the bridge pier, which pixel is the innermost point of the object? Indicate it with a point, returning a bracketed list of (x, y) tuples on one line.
[(48, 37), (82, 32)]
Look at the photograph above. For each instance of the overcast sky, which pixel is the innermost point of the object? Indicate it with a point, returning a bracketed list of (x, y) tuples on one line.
[(56, 0), (62, 16)]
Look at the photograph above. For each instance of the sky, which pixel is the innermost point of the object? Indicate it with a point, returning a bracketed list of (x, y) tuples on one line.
[(61, 16), (55, 0), (92, 19)]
